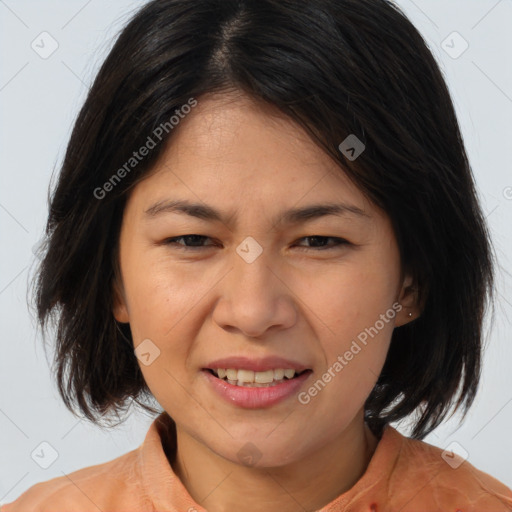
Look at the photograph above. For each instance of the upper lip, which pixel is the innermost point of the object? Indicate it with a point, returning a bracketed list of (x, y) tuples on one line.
[(256, 365)]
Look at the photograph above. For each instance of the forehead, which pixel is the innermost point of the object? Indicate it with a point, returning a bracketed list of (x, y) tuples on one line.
[(237, 127), (233, 150)]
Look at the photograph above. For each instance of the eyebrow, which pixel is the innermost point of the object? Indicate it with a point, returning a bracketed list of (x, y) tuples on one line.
[(288, 217)]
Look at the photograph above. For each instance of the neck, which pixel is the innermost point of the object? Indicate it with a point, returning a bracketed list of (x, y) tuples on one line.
[(219, 484)]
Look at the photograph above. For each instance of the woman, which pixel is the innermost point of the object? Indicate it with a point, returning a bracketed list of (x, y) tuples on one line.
[(266, 220)]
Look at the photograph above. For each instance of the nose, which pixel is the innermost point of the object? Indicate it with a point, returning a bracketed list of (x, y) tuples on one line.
[(255, 297)]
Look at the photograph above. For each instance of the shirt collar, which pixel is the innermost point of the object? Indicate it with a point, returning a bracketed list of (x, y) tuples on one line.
[(166, 491)]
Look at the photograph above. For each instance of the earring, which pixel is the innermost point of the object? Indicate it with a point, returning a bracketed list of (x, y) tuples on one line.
[(409, 315)]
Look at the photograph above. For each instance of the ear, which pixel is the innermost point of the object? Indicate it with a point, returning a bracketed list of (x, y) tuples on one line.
[(120, 309), (409, 300)]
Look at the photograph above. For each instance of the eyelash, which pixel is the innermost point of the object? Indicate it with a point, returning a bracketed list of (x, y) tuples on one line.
[(339, 242)]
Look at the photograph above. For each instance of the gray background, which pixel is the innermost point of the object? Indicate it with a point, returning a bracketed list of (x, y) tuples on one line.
[(39, 99)]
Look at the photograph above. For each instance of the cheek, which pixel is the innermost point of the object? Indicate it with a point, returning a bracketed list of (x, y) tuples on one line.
[(355, 319), (342, 386), (162, 310), (165, 304), (349, 298), (160, 294)]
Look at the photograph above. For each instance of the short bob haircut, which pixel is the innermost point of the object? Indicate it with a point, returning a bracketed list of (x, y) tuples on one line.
[(335, 67)]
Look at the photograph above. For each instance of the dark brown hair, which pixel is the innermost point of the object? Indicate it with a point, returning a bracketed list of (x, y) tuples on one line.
[(336, 67)]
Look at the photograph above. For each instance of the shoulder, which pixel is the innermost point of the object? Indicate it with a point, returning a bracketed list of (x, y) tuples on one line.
[(444, 479), (97, 487)]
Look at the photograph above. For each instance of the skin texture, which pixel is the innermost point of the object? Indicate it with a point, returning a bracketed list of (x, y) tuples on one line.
[(295, 300)]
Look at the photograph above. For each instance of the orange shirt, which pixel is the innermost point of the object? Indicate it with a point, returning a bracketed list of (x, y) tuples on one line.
[(403, 475)]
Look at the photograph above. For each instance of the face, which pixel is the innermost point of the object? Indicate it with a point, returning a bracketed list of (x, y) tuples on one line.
[(255, 283)]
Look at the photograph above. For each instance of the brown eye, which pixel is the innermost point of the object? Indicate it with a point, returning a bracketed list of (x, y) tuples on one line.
[(189, 241), (319, 242)]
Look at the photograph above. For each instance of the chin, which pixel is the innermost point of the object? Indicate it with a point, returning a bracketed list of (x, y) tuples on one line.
[(260, 451)]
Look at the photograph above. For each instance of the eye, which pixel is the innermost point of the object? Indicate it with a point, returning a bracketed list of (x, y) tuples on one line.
[(195, 242), (317, 239)]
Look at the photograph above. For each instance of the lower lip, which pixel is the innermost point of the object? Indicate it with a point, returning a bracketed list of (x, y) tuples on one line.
[(253, 397)]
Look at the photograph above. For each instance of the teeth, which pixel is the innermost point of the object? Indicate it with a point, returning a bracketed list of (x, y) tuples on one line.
[(289, 374), (245, 376), (232, 374), (278, 374), (254, 384), (264, 377), (249, 376)]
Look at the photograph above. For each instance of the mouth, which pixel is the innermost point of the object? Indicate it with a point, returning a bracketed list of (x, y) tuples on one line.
[(252, 379)]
